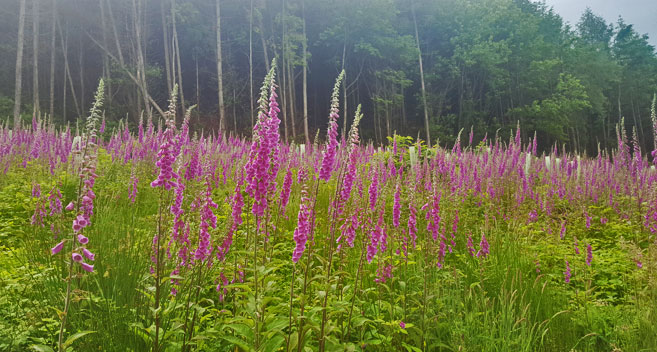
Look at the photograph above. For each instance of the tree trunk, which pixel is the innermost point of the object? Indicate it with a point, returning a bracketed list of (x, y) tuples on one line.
[(18, 88), (81, 69), (106, 60), (198, 95), (290, 100), (220, 74), (116, 33), (234, 103), (403, 109), (344, 86), (283, 94), (251, 62), (263, 41), (53, 36), (305, 74), (282, 75), (167, 52), (141, 65), (424, 92), (67, 70), (181, 91), (132, 77), (35, 58)]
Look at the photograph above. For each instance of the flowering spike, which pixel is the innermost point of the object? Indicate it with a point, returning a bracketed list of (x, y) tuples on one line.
[(332, 133)]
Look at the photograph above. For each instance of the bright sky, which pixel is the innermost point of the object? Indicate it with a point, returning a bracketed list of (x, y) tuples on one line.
[(641, 13)]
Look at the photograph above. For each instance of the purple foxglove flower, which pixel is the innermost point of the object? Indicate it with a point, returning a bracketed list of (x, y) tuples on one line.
[(57, 248), (373, 190), (484, 248), (285, 192), (36, 190), (70, 206), (470, 246), (263, 162), (332, 133), (412, 223), (208, 219), (88, 254), (82, 239), (567, 274), (87, 267), (589, 254), (402, 325), (76, 257), (303, 220), (396, 208)]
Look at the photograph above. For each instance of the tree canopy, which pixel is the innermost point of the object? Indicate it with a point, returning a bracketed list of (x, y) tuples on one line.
[(487, 64)]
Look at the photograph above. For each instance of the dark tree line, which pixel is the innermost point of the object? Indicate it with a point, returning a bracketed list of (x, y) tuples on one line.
[(419, 67)]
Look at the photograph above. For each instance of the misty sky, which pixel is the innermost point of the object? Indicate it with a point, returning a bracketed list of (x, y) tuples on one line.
[(641, 13)]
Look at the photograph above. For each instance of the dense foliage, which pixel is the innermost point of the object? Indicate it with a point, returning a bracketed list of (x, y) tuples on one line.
[(170, 242), (487, 64)]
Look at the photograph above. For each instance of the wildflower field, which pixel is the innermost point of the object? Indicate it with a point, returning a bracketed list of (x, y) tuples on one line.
[(164, 239)]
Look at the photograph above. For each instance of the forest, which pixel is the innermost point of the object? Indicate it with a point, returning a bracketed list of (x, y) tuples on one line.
[(419, 67)]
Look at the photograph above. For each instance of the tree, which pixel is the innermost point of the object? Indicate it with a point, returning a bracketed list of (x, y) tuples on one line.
[(552, 116), (424, 91), (35, 57), (220, 75), (18, 91)]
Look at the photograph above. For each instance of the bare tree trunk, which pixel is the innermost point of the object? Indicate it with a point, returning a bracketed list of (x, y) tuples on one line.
[(305, 74), (234, 103), (67, 70), (141, 65), (198, 96), (637, 121), (220, 73), (18, 88), (283, 94), (132, 77), (251, 63), (35, 57), (115, 32), (167, 52), (283, 75), (424, 92), (264, 43), (403, 108), (290, 100), (81, 69), (53, 36), (64, 95), (177, 56), (344, 86), (389, 91), (106, 60)]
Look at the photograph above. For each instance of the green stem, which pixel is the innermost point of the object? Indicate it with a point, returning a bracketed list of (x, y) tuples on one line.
[(255, 273), (156, 342), (353, 296), (289, 332)]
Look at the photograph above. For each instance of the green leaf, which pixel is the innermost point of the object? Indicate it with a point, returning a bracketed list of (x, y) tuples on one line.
[(42, 348), (69, 341), (236, 341), (273, 343), (241, 330)]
